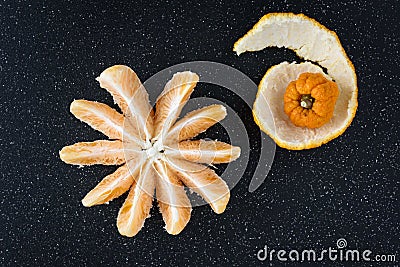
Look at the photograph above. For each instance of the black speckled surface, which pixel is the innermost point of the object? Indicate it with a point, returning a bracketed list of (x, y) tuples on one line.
[(50, 53)]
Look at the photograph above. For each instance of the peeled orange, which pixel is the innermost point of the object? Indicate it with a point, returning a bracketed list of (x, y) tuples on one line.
[(155, 150)]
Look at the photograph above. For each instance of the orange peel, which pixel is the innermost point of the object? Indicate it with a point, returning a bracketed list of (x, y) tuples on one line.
[(154, 149), (313, 42)]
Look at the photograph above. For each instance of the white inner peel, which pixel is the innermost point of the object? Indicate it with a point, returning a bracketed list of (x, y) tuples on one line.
[(273, 88)]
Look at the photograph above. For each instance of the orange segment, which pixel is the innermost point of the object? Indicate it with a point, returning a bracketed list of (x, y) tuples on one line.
[(130, 95), (172, 199), (137, 205), (196, 122), (171, 101), (98, 152), (202, 151), (204, 182), (100, 117), (112, 186)]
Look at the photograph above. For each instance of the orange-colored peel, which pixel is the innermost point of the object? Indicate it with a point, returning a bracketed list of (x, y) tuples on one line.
[(321, 105)]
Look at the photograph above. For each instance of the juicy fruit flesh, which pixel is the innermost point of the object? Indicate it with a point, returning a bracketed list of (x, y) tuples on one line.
[(149, 153)]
